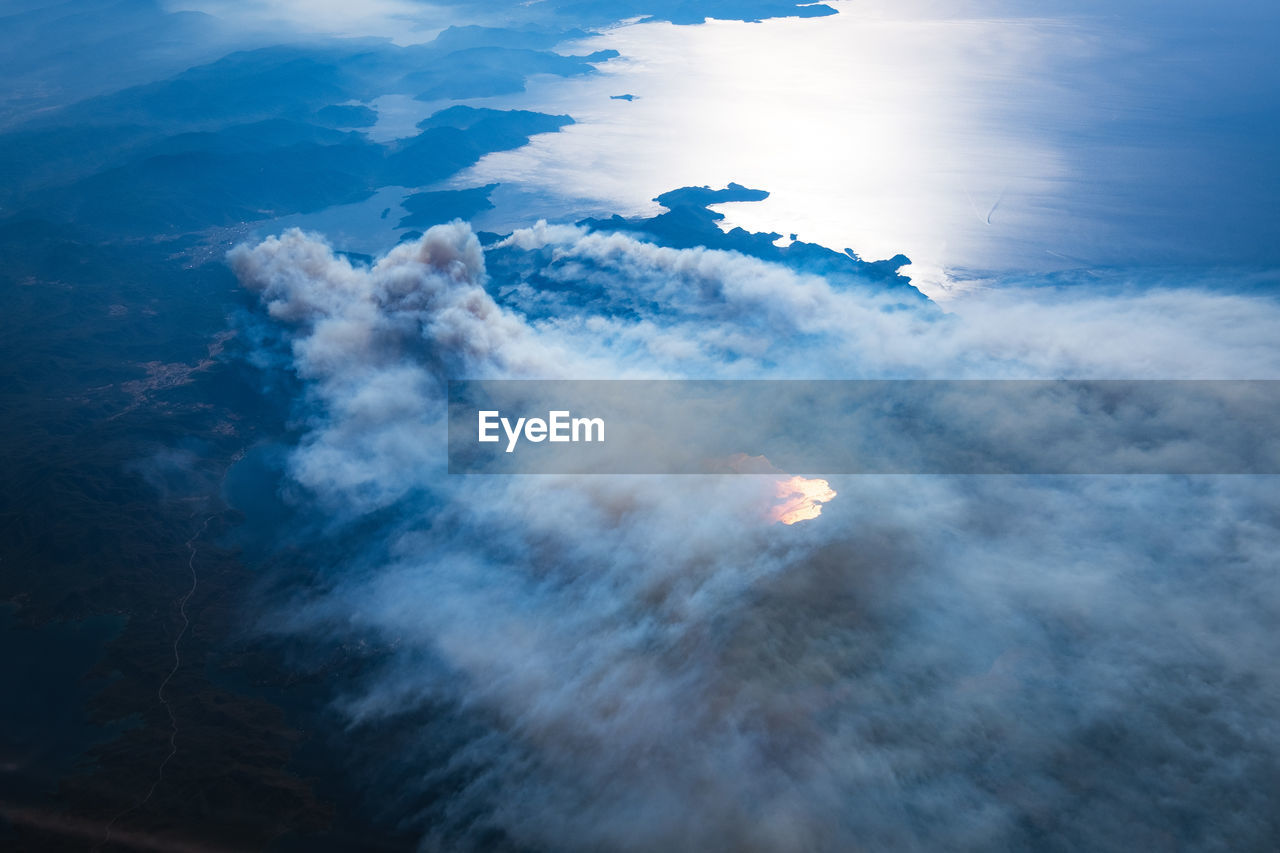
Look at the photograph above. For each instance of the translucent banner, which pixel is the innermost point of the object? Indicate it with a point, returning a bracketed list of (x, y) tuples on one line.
[(864, 426)]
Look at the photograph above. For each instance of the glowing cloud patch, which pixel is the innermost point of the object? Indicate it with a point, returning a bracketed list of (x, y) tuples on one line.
[(802, 499)]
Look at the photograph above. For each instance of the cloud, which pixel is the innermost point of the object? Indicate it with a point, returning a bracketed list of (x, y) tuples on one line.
[(724, 314), (375, 346), (648, 663)]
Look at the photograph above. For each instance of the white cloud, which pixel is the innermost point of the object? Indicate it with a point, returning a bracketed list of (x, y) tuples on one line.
[(649, 663)]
